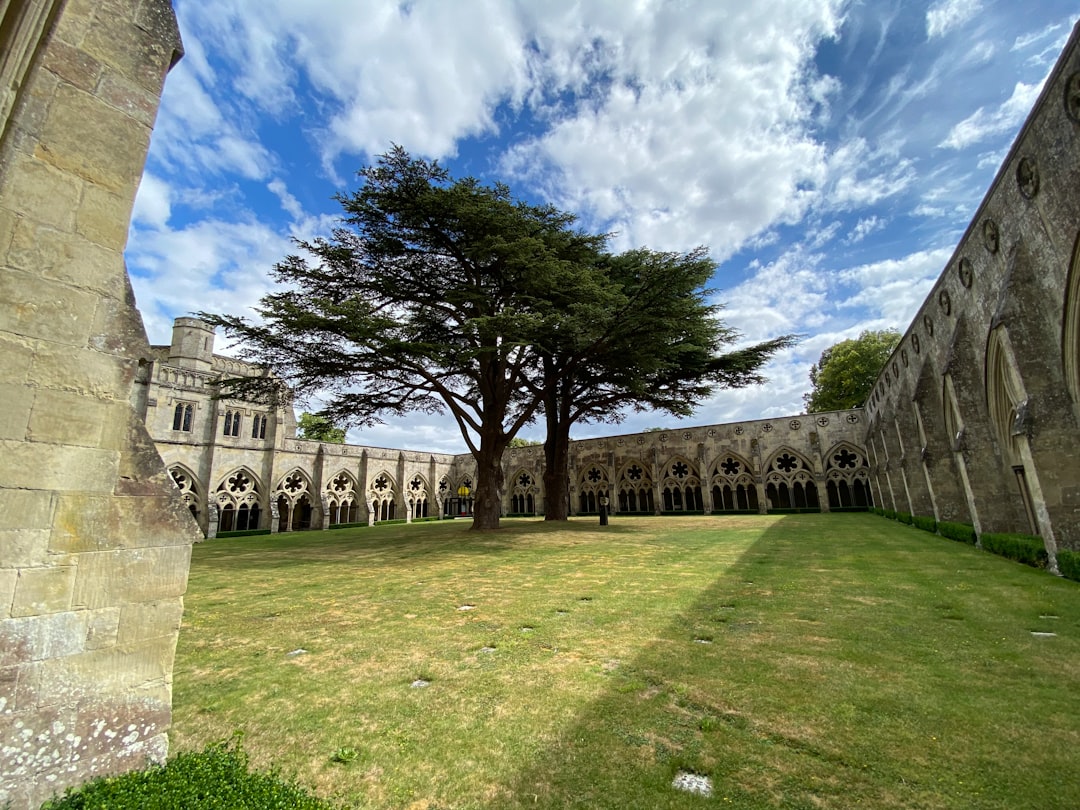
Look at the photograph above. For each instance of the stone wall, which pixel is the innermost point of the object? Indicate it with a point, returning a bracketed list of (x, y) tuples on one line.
[(94, 543), (976, 417)]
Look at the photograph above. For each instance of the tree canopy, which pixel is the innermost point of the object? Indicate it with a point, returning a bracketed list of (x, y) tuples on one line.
[(845, 374), (317, 428), (649, 338), (430, 296)]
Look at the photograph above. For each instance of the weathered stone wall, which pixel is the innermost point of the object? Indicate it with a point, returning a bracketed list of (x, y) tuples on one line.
[(976, 417), (94, 544)]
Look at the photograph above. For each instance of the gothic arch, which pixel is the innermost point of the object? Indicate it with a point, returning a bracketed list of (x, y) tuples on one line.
[(680, 486), (789, 481), (417, 495), (523, 493), (237, 498), (847, 477), (342, 497), (294, 501), (635, 488), (190, 490), (382, 495), (1070, 335), (733, 485), (593, 483)]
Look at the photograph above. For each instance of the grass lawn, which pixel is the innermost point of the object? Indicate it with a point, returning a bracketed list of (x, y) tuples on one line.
[(798, 661)]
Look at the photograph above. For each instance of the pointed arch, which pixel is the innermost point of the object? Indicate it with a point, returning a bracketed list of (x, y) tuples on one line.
[(1070, 334), (190, 490), (417, 494), (635, 488), (342, 496), (237, 496), (681, 486), (523, 493), (733, 485), (294, 497), (847, 477), (382, 495), (789, 481), (593, 484)]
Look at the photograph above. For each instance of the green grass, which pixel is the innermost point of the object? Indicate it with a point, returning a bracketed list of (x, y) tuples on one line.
[(799, 661)]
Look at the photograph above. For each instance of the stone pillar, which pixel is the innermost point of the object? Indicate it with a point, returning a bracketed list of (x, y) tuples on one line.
[(94, 540)]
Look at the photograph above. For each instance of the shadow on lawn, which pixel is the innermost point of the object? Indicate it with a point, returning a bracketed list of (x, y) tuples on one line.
[(388, 541), (681, 705)]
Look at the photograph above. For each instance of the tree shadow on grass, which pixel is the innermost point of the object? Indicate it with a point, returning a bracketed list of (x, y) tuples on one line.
[(427, 540), (817, 672)]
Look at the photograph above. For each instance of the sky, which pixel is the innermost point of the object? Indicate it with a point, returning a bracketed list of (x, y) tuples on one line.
[(830, 154)]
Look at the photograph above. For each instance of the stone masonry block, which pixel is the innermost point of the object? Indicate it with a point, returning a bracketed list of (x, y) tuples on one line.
[(24, 509), (72, 65), (61, 417), (86, 522), (43, 590), (131, 575), (132, 51), (33, 465), (82, 370), (147, 621), (32, 306), (37, 638), (8, 578), (103, 217), (41, 193), (102, 628), (16, 356), (8, 221), (66, 257), (109, 671), (25, 547), (88, 138), (15, 415), (130, 98)]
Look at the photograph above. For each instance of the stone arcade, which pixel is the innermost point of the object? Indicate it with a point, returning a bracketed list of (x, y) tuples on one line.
[(975, 418)]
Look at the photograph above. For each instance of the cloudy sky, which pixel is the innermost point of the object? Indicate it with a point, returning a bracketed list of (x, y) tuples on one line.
[(829, 153)]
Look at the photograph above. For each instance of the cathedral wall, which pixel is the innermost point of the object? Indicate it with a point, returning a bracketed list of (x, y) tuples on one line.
[(988, 367), (94, 544)]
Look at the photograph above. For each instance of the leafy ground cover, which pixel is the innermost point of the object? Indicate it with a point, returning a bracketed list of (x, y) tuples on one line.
[(798, 661)]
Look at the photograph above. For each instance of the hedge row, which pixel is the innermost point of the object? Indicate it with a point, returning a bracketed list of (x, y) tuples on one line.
[(1069, 564), (1020, 547), (243, 533), (216, 777), (961, 532)]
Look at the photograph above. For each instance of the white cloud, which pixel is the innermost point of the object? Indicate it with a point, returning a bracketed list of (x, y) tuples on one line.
[(947, 15), (861, 176), (984, 123), (863, 228), (153, 201), (894, 289)]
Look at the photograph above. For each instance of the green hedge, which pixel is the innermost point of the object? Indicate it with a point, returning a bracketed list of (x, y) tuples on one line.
[(1069, 564), (904, 517), (217, 777), (927, 524), (1023, 548), (244, 533), (961, 532)]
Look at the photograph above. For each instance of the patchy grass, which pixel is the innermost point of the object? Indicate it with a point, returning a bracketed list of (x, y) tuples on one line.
[(798, 661)]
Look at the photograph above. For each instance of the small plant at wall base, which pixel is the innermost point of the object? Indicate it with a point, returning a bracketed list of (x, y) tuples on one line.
[(1069, 564), (961, 532), (218, 776)]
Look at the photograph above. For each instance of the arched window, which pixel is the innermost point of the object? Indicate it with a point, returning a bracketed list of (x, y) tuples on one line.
[(789, 482), (733, 485), (258, 427), (847, 474), (183, 416), (636, 489), (232, 423), (294, 502), (237, 497), (682, 488)]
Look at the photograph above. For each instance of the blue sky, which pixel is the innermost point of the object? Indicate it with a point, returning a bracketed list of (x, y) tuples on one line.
[(829, 153)]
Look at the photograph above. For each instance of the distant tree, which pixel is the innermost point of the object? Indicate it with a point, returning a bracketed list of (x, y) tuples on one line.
[(644, 337), (430, 296), (317, 428), (845, 374), (517, 441)]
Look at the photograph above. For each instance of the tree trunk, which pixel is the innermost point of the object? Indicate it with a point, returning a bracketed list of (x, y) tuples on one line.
[(556, 461), (487, 502)]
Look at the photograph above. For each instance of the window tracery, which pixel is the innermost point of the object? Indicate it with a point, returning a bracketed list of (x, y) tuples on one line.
[(789, 481), (682, 487), (734, 488), (342, 498), (295, 501), (847, 478), (237, 498), (636, 489)]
